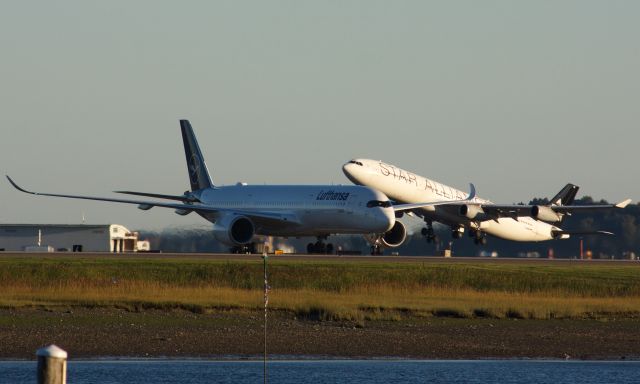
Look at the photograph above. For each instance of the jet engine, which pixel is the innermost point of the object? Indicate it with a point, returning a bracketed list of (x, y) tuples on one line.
[(234, 230), (390, 239), (470, 211), (544, 213), (395, 236)]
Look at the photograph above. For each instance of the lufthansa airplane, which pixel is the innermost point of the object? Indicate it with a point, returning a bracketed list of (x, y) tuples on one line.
[(479, 216), (240, 212)]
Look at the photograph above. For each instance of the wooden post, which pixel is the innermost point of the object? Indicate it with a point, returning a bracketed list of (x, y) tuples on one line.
[(266, 302), (52, 365)]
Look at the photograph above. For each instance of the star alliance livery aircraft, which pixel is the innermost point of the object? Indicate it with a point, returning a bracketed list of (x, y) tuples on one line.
[(241, 211), (510, 222)]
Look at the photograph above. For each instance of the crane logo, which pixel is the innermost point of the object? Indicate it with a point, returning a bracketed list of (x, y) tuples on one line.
[(194, 168)]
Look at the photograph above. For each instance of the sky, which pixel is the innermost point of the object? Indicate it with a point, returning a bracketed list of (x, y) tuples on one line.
[(517, 97)]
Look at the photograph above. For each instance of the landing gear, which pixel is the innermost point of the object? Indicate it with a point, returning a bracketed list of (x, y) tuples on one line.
[(245, 249), (456, 233), (479, 237), (376, 250), (429, 233), (320, 247), (330, 249)]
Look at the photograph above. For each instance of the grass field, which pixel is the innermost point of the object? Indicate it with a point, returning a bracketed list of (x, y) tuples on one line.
[(328, 290)]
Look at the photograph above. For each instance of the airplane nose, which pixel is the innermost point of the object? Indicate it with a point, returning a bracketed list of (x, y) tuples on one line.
[(350, 170), (346, 168)]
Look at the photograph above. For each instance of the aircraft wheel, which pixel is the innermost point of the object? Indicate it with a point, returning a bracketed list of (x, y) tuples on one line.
[(329, 249)]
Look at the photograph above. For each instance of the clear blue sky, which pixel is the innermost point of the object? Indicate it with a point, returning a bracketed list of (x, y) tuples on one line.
[(517, 97)]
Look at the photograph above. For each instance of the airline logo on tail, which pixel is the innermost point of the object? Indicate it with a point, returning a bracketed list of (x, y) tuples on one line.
[(194, 168)]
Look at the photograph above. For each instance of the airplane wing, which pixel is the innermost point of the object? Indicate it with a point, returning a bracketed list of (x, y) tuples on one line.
[(536, 211), (284, 218), (409, 207), (184, 198)]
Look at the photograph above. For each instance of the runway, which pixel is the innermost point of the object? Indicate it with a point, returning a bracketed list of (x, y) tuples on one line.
[(315, 258)]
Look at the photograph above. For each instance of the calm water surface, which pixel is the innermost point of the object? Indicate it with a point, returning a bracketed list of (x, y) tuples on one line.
[(333, 371)]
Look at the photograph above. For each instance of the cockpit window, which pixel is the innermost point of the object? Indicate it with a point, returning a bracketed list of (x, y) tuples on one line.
[(378, 203), (355, 162)]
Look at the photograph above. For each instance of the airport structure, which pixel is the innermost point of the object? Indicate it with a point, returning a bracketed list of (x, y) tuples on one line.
[(69, 238)]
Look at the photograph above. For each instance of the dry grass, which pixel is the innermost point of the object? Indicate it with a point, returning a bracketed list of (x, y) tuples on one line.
[(366, 302), (328, 291)]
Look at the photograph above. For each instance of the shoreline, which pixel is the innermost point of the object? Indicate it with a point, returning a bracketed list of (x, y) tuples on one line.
[(186, 359), (237, 335)]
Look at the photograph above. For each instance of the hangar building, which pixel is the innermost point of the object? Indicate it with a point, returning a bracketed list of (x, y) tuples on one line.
[(63, 237)]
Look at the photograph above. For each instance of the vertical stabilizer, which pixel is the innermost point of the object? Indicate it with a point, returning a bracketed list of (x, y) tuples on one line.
[(566, 195), (198, 173)]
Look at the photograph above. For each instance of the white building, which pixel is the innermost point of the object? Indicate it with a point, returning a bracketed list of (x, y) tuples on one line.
[(62, 237)]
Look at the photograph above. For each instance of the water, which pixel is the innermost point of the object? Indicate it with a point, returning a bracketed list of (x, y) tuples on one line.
[(334, 371)]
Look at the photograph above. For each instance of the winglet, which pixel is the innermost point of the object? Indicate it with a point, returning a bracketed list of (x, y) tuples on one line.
[(623, 204), (16, 186), (472, 192)]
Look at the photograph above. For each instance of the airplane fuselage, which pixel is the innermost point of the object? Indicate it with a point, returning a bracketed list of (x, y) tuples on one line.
[(302, 210), (407, 187)]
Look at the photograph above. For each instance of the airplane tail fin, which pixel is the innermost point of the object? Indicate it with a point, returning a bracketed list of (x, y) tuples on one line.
[(198, 172), (566, 196)]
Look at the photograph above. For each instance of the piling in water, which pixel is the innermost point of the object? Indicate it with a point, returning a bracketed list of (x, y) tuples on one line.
[(52, 365)]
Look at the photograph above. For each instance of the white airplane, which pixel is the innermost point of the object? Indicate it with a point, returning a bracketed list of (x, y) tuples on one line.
[(510, 222), (240, 212)]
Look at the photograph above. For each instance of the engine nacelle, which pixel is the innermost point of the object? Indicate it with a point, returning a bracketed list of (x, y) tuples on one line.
[(234, 230), (395, 236), (470, 211), (544, 213)]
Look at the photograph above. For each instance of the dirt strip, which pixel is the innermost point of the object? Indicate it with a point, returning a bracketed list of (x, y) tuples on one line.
[(110, 332)]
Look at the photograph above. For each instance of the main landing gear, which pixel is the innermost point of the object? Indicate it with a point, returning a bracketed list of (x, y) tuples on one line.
[(376, 250), (245, 249), (456, 233), (479, 237), (429, 233), (320, 247)]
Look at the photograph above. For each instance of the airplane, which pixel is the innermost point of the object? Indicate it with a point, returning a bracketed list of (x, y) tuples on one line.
[(511, 222), (241, 212)]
